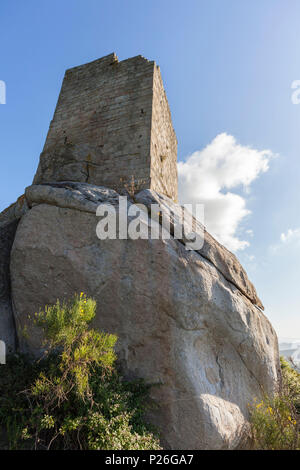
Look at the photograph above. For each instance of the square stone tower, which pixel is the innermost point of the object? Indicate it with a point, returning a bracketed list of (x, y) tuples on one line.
[(112, 127)]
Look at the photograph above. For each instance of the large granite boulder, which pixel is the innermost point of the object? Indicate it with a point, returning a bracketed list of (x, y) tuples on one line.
[(183, 318)]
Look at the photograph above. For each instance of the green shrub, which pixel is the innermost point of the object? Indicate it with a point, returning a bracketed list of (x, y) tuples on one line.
[(275, 421), (291, 383), (74, 397)]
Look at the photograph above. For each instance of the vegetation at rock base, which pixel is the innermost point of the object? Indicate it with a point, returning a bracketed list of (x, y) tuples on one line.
[(276, 421), (72, 398)]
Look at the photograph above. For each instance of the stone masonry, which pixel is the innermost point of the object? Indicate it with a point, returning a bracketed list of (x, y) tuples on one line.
[(112, 127)]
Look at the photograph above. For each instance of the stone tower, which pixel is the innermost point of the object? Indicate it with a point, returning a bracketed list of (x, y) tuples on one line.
[(112, 127)]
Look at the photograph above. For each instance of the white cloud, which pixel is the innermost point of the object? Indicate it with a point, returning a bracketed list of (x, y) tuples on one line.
[(208, 174), (291, 236)]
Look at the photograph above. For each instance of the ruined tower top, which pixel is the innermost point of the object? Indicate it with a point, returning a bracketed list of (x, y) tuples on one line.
[(112, 127)]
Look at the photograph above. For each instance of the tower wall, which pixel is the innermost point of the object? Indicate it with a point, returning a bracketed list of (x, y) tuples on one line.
[(112, 127), (163, 142)]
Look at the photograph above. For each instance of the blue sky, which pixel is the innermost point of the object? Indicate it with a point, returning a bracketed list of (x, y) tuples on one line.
[(227, 67)]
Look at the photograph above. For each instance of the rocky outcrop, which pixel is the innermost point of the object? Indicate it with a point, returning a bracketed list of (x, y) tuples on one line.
[(186, 320), (86, 197)]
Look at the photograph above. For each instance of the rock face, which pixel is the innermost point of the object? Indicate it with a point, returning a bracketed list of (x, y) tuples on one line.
[(186, 320)]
